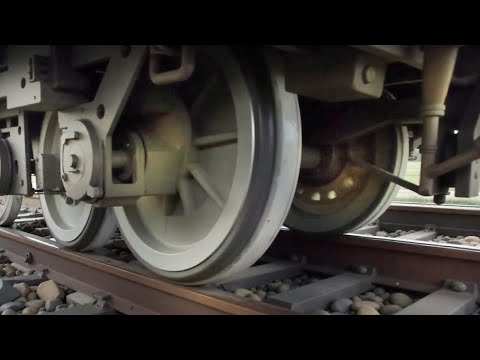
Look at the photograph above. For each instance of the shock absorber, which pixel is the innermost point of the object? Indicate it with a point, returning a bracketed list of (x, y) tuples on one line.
[(439, 63)]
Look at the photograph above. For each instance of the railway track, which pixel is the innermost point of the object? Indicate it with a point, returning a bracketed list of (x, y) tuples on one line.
[(349, 274)]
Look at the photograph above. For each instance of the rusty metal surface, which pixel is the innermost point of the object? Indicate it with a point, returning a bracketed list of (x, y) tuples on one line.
[(128, 289), (408, 264)]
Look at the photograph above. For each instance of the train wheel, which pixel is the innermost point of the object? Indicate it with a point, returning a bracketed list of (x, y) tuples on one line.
[(9, 209), (75, 225), (238, 178), (338, 196)]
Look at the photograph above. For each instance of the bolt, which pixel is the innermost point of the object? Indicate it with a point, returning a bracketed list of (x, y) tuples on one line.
[(369, 74), (458, 286), (94, 192), (64, 177), (361, 269), (69, 200), (29, 258), (294, 257)]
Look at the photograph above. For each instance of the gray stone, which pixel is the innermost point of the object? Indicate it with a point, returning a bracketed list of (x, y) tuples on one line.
[(9, 268), (7, 292), (50, 290), (297, 281), (282, 288), (261, 294), (33, 287), (41, 312), (14, 306), (271, 293), (390, 309), (50, 305), (29, 311), (356, 299), (400, 299), (376, 299), (18, 273), (81, 299), (455, 242), (361, 304), (35, 304), (239, 292), (320, 312), (22, 299), (9, 312), (60, 307), (341, 305), (471, 239), (22, 288), (381, 233), (379, 291), (251, 296), (32, 296), (366, 310), (2, 273), (273, 286), (385, 296), (73, 305)]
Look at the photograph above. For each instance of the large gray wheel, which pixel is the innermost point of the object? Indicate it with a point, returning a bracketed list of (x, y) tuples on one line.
[(9, 209), (74, 225), (242, 145), (338, 196)]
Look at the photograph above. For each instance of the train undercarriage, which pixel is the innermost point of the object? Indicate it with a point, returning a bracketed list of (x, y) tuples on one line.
[(201, 153)]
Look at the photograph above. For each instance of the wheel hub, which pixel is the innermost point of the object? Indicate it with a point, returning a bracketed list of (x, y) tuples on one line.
[(332, 162), (81, 162)]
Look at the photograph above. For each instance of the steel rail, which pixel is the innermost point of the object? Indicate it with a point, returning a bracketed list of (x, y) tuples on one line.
[(126, 288)]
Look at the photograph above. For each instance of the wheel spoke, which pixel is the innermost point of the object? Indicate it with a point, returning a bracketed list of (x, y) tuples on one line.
[(186, 195), (205, 95), (216, 140), (201, 176)]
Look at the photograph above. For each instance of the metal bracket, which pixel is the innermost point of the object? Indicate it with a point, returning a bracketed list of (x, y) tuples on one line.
[(183, 73)]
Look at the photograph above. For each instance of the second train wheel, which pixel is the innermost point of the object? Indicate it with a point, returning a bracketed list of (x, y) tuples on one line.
[(74, 225), (242, 147), (9, 209), (338, 196)]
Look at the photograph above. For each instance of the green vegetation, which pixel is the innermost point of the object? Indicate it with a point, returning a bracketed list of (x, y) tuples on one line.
[(413, 175)]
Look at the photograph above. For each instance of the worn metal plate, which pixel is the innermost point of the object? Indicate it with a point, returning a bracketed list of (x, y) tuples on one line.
[(262, 274), (321, 293), (444, 302)]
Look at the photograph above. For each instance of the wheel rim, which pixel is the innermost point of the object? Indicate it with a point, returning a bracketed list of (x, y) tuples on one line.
[(9, 209), (181, 245), (75, 225), (352, 197)]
